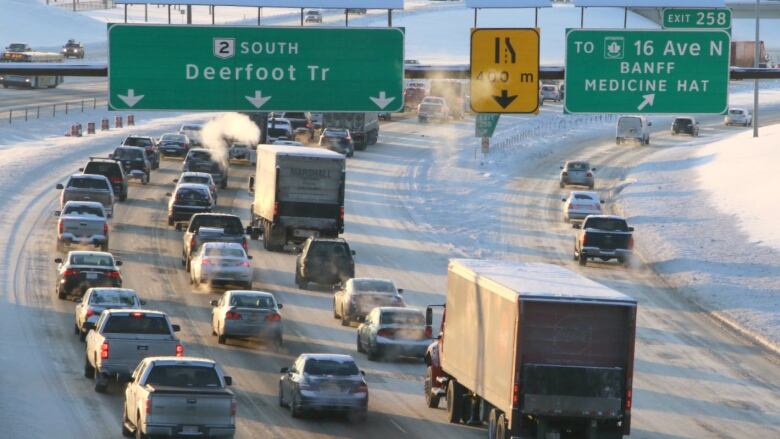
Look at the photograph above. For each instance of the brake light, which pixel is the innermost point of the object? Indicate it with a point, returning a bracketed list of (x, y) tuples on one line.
[(205, 261), (116, 179), (360, 388), (113, 274), (428, 332), (233, 407), (384, 332), (192, 243), (136, 314), (273, 317), (630, 242), (515, 394), (628, 399), (245, 245), (149, 405), (104, 351), (341, 213), (70, 272), (232, 315), (60, 227), (105, 228), (584, 239), (90, 312), (179, 350), (245, 264)]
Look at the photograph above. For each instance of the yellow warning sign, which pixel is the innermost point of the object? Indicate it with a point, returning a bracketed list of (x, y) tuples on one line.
[(505, 70)]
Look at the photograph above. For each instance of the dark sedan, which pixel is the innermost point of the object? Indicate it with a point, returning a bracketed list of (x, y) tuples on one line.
[(187, 200), (82, 270)]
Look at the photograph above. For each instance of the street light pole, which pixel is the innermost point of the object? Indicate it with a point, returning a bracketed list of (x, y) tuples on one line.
[(756, 64)]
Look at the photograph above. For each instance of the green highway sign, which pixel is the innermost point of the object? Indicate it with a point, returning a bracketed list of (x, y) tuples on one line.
[(704, 18), (485, 124), (646, 71), (230, 68)]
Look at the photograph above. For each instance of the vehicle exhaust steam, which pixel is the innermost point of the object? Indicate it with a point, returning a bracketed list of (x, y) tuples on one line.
[(218, 133)]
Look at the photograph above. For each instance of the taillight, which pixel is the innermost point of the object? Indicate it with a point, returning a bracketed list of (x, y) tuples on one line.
[(60, 227), (149, 405), (628, 399), (232, 315), (205, 261), (233, 407), (116, 179), (179, 350), (276, 209), (428, 332), (90, 312), (70, 272), (384, 332), (273, 317), (113, 274), (341, 213), (245, 264), (515, 394), (104, 351), (192, 244), (630, 242), (245, 244), (584, 239), (105, 228), (360, 388)]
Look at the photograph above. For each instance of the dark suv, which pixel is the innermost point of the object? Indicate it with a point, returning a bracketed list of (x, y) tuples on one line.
[(148, 144), (187, 200), (112, 170), (134, 162), (200, 160), (325, 262)]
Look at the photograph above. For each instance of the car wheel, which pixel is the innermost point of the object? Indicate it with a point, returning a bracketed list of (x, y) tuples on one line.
[(82, 335), (431, 400), (372, 353), (358, 345), (222, 338), (583, 260), (170, 220), (89, 371), (62, 295), (454, 401), (100, 386), (295, 410), (255, 233), (123, 196), (188, 265), (281, 397), (344, 318)]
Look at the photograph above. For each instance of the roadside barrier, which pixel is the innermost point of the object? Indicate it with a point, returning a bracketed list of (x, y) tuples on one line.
[(130, 120), (104, 125), (19, 114), (117, 121), (90, 127)]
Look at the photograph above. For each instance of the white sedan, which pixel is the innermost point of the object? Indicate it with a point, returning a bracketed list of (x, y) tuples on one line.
[(96, 300), (580, 204), (221, 263)]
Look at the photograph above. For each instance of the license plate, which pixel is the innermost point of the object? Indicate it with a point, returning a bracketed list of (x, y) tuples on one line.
[(190, 429), (305, 233), (92, 276)]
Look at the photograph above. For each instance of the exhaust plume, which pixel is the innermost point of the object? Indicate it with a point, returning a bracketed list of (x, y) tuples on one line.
[(218, 133)]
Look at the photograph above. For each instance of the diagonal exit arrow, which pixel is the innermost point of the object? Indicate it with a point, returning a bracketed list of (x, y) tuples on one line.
[(648, 100), (130, 99)]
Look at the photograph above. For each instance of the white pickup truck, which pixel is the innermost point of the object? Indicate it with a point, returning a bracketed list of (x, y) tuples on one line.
[(169, 396), (122, 338), (82, 222)]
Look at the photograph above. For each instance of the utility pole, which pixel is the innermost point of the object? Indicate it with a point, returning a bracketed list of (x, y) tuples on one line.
[(756, 64)]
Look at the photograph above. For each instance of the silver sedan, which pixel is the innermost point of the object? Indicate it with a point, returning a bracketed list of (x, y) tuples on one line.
[(577, 173), (96, 300), (355, 299), (393, 331), (221, 263), (246, 314)]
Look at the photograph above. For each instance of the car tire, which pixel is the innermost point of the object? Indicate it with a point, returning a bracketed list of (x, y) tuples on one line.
[(255, 233), (582, 259), (372, 353), (221, 338), (61, 294), (344, 319), (123, 196), (99, 387), (431, 400), (358, 346), (82, 336), (281, 398), (295, 411), (454, 401), (89, 371), (170, 220)]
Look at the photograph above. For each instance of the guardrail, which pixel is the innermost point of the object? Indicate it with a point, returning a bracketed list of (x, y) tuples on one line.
[(22, 114), (80, 5), (524, 135)]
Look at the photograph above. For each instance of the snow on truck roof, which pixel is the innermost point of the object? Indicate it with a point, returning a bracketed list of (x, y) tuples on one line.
[(289, 150), (538, 280)]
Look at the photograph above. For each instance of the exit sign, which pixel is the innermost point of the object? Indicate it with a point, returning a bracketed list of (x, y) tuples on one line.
[(675, 18)]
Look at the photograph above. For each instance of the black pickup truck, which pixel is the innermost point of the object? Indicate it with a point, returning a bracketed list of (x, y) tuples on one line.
[(605, 237)]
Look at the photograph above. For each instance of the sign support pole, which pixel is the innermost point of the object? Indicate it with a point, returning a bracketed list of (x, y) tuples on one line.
[(389, 18), (346, 17), (475, 17), (301, 17), (169, 14), (756, 64), (189, 14), (125, 12), (582, 17), (625, 18)]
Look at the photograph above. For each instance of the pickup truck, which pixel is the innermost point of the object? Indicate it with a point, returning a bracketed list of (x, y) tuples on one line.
[(605, 237), (88, 187), (121, 338), (169, 396), (82, 222), (211, 227)]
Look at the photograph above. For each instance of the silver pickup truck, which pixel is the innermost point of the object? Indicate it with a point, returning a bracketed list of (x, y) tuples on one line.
[(82, 222), (88, 187), (122, 338), (170, 396)]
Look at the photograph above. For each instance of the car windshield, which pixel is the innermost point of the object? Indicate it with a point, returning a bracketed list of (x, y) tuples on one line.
[(429, 107), (577, 167), (138, 141), (230, 224), (278, 132), (109, 169), (335, 133), (239, 145), (199, 155), (402, 318), (317, 366), (92, 259), (137, 323), (128, 154), (222, 252), (373, 286), (14, 47), (80, 209), (88, 183), (183, 376), (609, 224), (172, 138), (583, 197), (102, 297), (190, 128), (548, 88), (191, 194), (736, 112), (327, 249), (630, 122), (251, 301), (195, 179), (682, 122)]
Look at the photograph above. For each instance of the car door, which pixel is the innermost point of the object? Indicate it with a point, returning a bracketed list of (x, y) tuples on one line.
[(81, 308)]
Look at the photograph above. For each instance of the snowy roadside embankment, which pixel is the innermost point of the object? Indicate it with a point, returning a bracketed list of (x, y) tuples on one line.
[(707, 215)]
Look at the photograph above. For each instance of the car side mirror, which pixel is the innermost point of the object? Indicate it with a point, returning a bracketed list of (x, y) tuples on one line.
[(168, 194), (178, 227), (400, 291), (118, 263), (60, 186), (57, 213), (576, 226), (81, 169), (142, 302), (363, 372), (214, 302), (601, 201), (176, 328), (563, 200), (284, 370), (279, 305), (249, 256), (228, 380), (58, 260), (630, 229), (175, 180)]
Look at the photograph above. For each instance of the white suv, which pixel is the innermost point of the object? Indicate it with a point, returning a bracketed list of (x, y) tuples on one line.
[(738, 116)]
